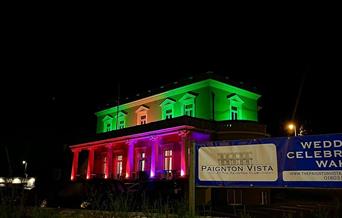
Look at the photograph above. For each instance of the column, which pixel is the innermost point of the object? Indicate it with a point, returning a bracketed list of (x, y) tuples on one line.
[(109, 163), (90, 163), (154, 154), (130, 158), (74, 165), (183, 142)]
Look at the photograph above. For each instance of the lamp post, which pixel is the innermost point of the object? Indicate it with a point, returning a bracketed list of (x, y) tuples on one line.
[(25, 169), (292, 126)]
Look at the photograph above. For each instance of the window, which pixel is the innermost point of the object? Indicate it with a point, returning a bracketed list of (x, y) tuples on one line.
[(143, 119), (168, 160), (119, 166), (121, 124), (188, 104), (107, 123), (121, 120), (168, 114), (188, 110), (168, 108), (142, 115), (234, 113), (235, 107), (142, 161), (109, 127)]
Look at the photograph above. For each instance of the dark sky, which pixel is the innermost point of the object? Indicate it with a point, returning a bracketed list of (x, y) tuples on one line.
[(55, 78)]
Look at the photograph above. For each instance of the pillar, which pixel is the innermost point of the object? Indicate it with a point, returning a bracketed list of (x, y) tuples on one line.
[(90, 163), (74, 165), (130, 158), (183, 142), (109, 163), (154, 154)]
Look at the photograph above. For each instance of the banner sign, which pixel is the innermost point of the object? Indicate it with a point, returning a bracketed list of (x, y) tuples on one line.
[(301, 161)]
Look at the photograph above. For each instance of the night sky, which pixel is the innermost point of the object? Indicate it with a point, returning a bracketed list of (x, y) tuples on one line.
[(53, 82)]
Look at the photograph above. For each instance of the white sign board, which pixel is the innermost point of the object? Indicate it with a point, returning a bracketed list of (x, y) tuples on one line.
[(257, 162)]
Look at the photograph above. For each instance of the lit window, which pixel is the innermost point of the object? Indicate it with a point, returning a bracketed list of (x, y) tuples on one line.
[(142, 162), (168, 160), (119, 166)]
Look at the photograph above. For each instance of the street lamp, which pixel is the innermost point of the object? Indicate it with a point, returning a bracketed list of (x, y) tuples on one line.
[(292, 126), (25, 169)]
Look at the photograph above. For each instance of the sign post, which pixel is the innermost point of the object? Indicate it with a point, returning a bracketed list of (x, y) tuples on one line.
[(192, 184)]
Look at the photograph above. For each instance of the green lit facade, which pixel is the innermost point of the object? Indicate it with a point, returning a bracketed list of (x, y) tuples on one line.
[(207, 99)]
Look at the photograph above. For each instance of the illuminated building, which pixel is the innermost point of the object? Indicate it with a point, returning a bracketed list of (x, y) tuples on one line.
[(151, 136)]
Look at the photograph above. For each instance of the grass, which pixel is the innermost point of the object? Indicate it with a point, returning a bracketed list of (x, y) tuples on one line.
[(15, 203)]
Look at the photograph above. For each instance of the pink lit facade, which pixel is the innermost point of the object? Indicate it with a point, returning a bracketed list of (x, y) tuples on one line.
[(159, 154)]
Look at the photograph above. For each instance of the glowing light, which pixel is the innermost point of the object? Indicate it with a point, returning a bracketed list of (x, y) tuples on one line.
[(31, 181), (152, 174), (182, 173), (292, 127), (2, 182), (16, 181), (127, 176)]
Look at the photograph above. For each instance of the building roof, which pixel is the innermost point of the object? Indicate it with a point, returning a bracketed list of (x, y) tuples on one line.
[(177, 84)]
